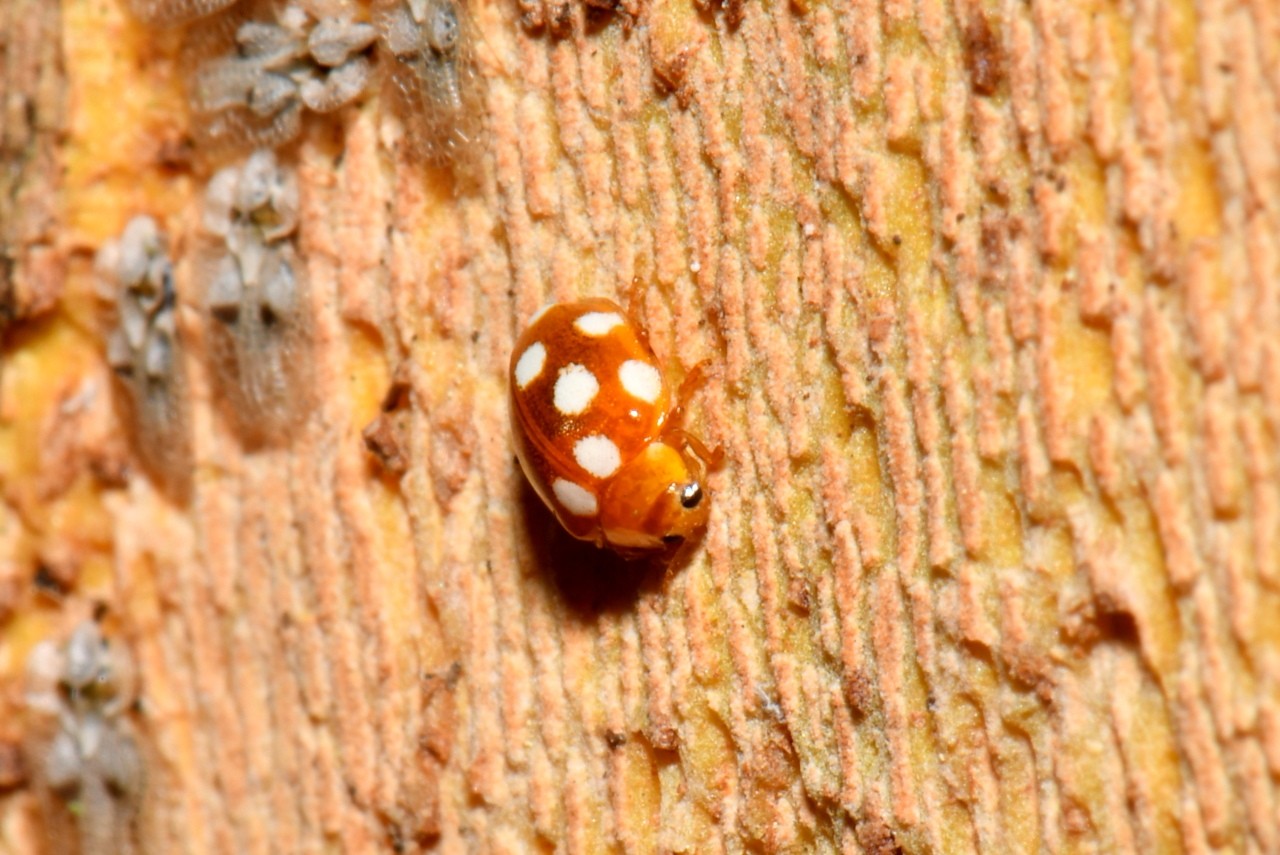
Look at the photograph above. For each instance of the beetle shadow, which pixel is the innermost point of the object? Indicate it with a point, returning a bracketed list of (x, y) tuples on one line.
[(590, 581)]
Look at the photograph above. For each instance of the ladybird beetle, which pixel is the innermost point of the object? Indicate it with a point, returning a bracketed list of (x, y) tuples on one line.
[(596, 431)]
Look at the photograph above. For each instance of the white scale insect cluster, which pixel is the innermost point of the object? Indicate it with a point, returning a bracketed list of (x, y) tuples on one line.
[(88, 757), (431, 76), (256, 71), (144, 351), (254, 292)]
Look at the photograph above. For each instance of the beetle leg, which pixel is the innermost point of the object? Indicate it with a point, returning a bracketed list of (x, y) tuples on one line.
[(633, 310), (706, 458), (693, 380)]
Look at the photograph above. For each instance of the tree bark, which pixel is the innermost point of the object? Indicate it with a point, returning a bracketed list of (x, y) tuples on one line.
[(990, 299)]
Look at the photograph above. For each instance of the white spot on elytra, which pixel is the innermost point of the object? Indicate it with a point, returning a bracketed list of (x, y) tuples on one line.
[(597, 323), (641, 380), (598, 455), (538, 315), (575, 389), (529, 366), (576, 500)]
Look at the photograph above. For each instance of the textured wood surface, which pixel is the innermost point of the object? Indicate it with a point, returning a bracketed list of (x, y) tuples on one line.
[(991, 297)]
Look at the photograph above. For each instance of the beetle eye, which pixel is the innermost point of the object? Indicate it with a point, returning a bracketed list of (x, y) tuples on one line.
[(672, 539), (691, 495)]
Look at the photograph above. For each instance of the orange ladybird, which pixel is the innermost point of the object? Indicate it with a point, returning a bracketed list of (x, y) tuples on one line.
[(595, 429)]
